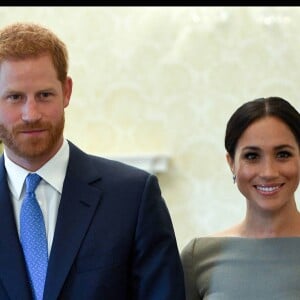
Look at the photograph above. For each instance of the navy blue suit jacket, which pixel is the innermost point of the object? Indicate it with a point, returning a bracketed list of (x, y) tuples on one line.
[(114, 239)]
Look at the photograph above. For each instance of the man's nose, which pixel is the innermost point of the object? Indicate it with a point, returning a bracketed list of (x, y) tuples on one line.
[(30, 111)]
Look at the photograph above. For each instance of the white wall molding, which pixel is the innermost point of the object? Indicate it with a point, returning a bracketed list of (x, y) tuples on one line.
[(152, 163)]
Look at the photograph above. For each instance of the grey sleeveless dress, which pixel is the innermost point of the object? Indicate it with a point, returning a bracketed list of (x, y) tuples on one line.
[(233, 268)]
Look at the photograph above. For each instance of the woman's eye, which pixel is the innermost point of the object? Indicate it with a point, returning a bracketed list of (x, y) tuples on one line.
[(251, 156), (283, 154)]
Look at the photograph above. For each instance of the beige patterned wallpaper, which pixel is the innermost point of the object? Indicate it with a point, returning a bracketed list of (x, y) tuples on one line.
[(165, 80)]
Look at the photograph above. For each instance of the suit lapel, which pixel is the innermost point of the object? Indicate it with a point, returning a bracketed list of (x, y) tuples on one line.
[(78, 203), (12, 265)]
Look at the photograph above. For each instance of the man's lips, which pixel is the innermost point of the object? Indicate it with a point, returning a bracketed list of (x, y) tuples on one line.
[(32, 131)]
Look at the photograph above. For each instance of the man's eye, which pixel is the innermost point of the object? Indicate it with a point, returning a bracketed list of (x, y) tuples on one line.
[(45, 95), (14, 97)]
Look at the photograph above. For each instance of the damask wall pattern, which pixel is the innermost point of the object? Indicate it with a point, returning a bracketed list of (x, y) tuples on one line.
[(165, 80)]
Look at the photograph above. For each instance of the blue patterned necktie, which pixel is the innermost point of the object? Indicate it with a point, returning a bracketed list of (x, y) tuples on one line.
[(33, 237)]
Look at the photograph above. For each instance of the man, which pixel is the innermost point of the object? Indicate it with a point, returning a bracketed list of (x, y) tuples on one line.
[(109, 232)]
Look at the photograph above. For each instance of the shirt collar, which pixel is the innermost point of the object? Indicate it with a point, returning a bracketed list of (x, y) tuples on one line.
[(53, 171)]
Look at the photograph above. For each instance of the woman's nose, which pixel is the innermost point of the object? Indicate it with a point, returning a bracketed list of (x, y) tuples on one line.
[(269, 168)]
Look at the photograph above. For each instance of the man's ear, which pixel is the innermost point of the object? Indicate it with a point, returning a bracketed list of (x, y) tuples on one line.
[(67, 90)]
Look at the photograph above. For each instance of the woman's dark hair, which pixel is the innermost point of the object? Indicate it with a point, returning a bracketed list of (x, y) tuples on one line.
[(257, 109)]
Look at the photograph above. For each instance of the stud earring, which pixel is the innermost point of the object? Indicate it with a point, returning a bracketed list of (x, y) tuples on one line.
[(234, 178)]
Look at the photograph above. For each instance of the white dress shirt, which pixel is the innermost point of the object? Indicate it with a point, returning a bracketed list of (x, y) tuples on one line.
[(48, 192)]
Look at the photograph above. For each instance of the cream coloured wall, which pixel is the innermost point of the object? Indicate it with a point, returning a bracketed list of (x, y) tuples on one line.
[(165, 80)]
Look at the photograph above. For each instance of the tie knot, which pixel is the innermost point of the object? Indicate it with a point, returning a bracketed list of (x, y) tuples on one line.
[(32, 181)]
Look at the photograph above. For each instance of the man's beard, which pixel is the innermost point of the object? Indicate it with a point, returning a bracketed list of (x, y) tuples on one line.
[(32, 147)]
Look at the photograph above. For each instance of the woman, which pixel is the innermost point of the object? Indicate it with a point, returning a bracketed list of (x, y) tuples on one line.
[(259, 258)]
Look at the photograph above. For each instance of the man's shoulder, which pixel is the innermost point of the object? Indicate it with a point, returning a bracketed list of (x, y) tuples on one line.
[(103, 164)]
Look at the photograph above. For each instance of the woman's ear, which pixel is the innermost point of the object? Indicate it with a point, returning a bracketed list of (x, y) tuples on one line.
[(230, 162)]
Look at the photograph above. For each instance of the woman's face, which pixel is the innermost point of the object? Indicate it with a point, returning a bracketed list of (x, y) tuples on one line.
[(267, 164)]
